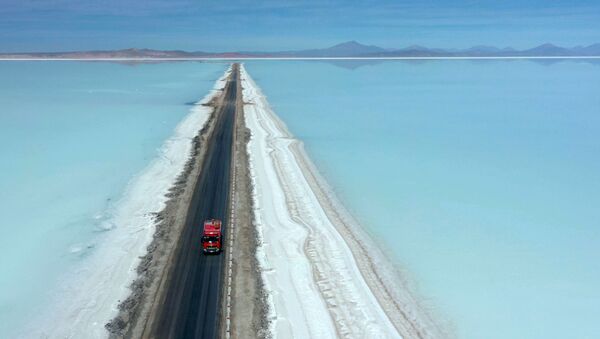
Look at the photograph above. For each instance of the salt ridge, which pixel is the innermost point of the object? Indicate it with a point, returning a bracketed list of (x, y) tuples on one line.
[(312, 277)]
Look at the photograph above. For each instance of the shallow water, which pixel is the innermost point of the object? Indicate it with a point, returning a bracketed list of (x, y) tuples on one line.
[(481, 178), (72, 135)]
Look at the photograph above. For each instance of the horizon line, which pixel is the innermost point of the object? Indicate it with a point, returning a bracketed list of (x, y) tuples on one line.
[(303, 58)]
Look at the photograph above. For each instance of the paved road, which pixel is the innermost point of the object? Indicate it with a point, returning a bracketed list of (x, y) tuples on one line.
[(192, 305)]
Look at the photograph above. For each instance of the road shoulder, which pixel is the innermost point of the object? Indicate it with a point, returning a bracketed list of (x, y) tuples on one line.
[(247, 313)]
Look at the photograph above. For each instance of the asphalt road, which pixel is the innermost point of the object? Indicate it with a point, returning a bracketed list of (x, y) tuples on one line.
[(191, 308)]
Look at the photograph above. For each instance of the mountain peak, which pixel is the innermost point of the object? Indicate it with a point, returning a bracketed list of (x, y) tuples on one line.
[(549, 49), (350, 48), (350, 43), (547, 45)]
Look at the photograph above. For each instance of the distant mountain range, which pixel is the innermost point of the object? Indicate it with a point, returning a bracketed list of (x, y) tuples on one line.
[(351, 49)]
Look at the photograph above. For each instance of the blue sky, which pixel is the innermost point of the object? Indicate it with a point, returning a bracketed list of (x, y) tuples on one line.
[(57, 25)]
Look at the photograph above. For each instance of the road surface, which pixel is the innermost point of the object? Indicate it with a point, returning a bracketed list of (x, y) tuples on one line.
[(191, 308)]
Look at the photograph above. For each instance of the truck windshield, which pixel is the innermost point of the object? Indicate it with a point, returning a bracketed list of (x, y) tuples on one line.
[(211, 239)]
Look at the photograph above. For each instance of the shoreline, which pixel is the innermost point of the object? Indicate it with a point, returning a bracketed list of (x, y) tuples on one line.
[(361, 270)]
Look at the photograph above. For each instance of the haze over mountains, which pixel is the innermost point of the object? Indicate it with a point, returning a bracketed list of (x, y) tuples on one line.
[(351, 49)]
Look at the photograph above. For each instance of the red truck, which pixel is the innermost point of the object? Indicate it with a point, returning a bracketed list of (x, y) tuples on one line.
[(211, 237)]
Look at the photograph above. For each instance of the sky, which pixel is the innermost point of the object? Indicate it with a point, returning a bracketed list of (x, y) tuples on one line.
[(240, 25)]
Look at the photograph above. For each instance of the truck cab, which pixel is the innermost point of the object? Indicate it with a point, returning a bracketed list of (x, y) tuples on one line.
[(211, 236)]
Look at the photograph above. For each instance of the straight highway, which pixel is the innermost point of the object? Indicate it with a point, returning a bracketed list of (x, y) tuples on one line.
[(192, 304)]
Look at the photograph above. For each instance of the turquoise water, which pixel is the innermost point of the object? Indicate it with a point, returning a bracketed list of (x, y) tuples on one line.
[(72, 135), (481, 178)]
